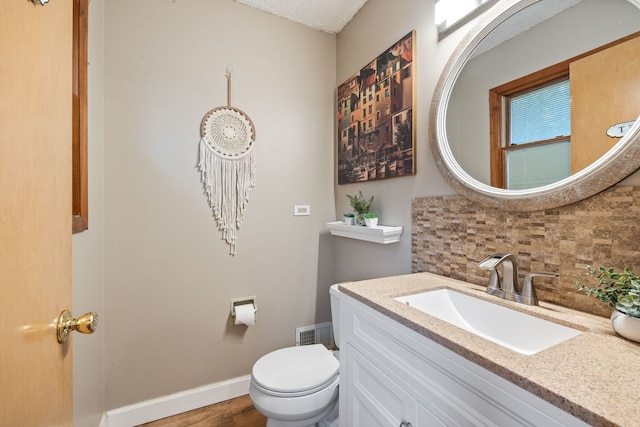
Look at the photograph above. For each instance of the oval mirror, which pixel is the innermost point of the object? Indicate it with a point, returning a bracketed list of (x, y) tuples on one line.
[(501, 48)]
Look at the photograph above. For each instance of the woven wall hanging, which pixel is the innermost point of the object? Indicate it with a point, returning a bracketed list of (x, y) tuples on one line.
[(227, 165)]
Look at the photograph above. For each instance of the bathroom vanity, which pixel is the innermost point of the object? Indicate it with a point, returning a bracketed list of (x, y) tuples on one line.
[(402, 367)]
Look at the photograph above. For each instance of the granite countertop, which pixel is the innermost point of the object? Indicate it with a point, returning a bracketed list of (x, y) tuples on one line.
[(594, 376)]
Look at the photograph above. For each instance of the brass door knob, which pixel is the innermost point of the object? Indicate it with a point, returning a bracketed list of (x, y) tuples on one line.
[(86, 324)]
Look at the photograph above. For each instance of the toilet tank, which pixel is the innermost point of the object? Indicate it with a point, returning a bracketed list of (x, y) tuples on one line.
[(335, 294)]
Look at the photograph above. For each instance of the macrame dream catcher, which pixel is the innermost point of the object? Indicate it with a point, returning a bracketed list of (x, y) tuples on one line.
[(227, 165)]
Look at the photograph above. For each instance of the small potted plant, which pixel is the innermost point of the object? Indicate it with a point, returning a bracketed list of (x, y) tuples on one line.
[(349, 219), (621, 290), (370, 219), (361, 205)]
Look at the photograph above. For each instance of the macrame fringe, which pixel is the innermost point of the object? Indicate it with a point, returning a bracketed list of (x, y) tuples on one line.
[(227, 183)]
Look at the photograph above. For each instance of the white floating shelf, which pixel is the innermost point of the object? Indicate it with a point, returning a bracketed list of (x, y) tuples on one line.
[(380, 234)]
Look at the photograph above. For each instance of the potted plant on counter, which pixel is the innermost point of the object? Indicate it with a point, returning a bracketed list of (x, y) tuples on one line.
[(621, 290), (371, 219), (361, 205)]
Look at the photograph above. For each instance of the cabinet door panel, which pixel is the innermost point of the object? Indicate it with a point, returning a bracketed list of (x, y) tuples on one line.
[(377, 400), (405, 361), (428, 417)]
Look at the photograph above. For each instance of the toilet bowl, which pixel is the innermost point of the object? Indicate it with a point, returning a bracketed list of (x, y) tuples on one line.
[(298, 386)]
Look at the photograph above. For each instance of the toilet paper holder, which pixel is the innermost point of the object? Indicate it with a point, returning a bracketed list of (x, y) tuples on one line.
[(242, 301)]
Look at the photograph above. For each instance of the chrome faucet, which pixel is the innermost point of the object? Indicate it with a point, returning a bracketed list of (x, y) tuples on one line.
[(508, 289)]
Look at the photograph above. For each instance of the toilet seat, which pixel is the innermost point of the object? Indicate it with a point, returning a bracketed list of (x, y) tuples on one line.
[(295, 371)]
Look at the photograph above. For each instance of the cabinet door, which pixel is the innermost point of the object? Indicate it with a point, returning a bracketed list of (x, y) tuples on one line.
[(380, 349), (373, 398)]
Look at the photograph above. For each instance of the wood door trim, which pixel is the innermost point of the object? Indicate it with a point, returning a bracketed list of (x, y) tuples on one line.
[(495, 138), (80, 193)]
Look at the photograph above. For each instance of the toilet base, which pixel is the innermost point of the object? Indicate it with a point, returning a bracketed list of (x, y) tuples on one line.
[(330, 420), (327, 418)]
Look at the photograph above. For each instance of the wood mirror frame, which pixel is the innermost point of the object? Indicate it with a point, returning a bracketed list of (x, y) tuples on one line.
[(618, 163), (80, 205)]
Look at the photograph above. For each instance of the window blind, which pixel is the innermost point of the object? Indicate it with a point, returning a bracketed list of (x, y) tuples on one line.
[(540, 114), (538, 165)]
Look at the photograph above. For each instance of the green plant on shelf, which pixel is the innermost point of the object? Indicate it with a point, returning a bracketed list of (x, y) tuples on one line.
[(349, 219), (361, 205)]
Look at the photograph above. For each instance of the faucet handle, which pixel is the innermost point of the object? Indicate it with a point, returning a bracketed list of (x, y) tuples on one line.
[(528, 293)]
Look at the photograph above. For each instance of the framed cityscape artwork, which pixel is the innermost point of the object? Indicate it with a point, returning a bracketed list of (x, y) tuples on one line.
[(376, 137)]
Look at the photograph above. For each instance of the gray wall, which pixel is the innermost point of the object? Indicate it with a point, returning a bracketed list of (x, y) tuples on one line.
[(168, 275), (88, 253), (378, 25)]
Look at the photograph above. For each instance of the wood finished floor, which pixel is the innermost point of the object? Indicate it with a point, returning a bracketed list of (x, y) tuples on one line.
[(238, 412)]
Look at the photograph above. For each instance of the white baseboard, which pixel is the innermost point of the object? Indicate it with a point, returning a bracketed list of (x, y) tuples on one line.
[(103, 420), (166, 406)]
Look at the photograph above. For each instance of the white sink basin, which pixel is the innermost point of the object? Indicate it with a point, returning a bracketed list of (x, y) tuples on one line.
[(512, 329)]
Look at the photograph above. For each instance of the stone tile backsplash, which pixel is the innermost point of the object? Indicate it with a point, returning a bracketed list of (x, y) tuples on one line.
[(451, 233)]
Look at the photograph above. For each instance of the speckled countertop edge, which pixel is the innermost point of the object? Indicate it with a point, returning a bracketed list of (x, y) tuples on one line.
[(594, 376)]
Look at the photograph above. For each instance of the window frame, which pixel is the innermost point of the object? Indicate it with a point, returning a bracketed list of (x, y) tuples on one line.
[(499, 121), (444, 29)]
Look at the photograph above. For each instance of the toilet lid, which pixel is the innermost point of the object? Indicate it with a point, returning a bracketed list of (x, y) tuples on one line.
[(296, 369)]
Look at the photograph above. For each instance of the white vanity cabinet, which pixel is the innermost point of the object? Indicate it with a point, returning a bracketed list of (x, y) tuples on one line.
[(393, 376)]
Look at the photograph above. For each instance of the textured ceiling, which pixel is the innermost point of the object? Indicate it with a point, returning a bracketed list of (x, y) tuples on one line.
[(329, 16), (332, 15)]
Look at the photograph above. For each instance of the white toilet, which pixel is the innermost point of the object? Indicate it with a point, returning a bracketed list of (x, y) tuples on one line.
[(298, 386)]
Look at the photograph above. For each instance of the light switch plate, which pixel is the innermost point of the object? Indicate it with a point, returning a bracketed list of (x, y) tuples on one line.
[(301, 210)]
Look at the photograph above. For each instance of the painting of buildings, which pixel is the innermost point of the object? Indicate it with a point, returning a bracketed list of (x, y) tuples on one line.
[(375, 117)]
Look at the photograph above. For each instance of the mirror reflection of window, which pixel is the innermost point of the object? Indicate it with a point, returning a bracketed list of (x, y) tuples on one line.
[(538, 143), (552, 123), (530, 129)]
